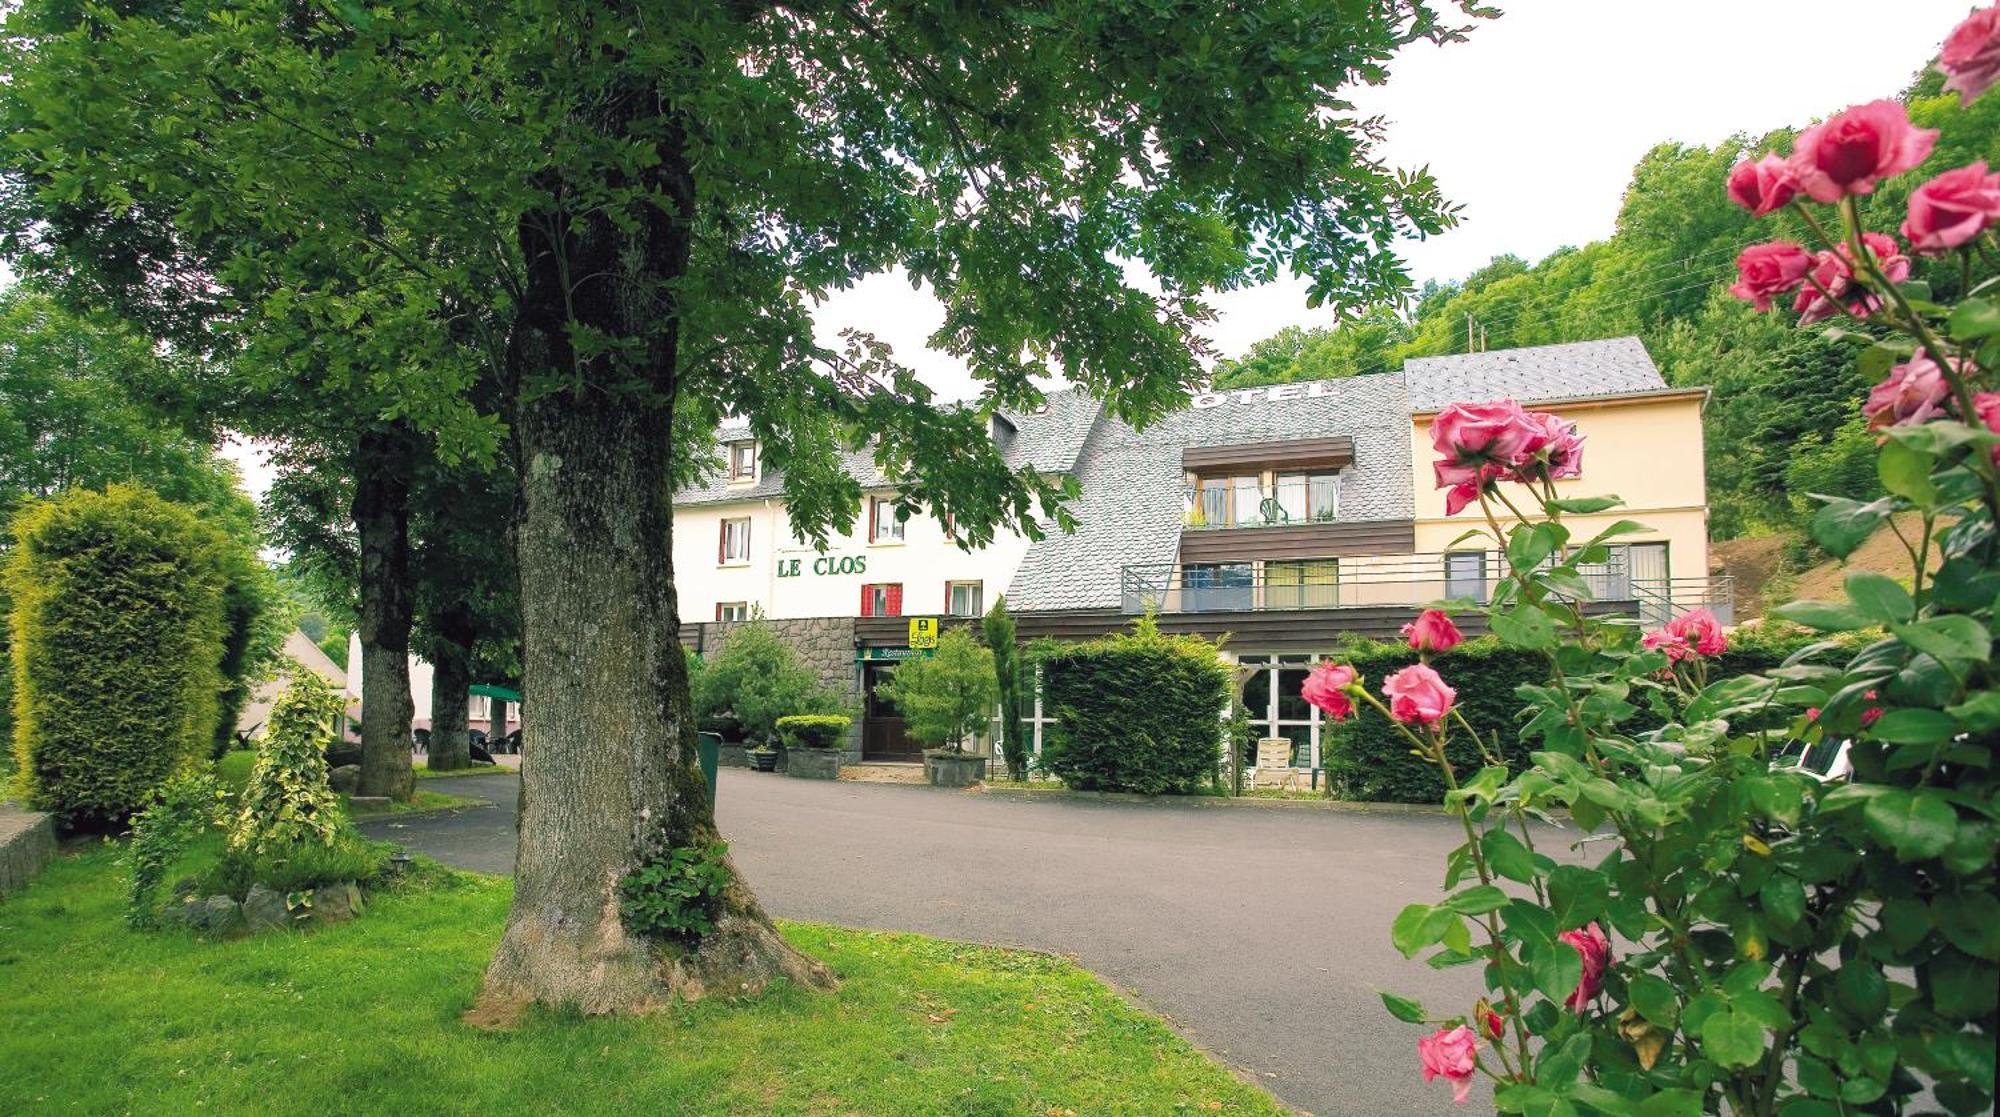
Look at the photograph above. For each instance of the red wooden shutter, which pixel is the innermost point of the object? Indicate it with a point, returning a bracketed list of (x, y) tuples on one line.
[(718, 610), (895, 603), (947, 599), (867, 601), (722, 542)]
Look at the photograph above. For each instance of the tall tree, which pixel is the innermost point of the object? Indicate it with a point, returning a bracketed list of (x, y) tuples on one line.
[(670, 189)]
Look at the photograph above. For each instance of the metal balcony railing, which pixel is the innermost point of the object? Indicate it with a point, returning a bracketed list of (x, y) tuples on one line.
[(1390, 580)]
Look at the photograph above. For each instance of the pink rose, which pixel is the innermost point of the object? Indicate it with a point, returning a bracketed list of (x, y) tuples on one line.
[(1952, 208), (1914, 392), (1767, 270), (1971, 56), (1470, 435), (1675, 645), (1833, 275), (1326, 687), (1852, 150), (1987, 406), (1417, 696), (1699, 630), (1590, 942), (1762, 186), (1453, 1056), (1433, 631), (1559, 450)]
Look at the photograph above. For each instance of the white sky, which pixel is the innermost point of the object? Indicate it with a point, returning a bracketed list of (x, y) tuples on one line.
[(1534, 125)]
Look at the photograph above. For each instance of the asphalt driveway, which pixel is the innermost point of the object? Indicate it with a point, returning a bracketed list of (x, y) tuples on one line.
[(1261, 933)]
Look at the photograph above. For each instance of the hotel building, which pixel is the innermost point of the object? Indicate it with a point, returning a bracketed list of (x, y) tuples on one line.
[(1286, 517)]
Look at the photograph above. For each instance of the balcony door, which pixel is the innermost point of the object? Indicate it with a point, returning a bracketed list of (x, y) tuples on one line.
[(1274, 697)]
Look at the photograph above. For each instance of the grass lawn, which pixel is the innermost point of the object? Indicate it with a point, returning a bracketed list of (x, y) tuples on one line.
[(424, 773), (362, 1018), (234, 771)]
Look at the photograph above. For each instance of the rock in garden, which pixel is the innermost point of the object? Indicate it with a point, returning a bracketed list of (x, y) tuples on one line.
[(185, 887), (337, 902), (182, 912), (265, 910), (346, 779), (222, 916)]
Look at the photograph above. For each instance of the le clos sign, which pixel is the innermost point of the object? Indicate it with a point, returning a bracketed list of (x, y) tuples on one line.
[(824, 564)]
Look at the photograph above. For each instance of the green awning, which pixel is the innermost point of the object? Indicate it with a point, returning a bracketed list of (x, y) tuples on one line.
[(491, 691)]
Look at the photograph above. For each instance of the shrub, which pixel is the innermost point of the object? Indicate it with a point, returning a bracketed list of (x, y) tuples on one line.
[(1007, 675), (946, 696), (1366, 759), (182, 809), (814, 731), (1136, 712), (677, 898), (117, 632), (297, 867), (287, 801), (757, 678)]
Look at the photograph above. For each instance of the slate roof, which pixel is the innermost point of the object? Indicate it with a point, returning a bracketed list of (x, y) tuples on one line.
[(1614, 366), (1048, 439), (1131, 508)]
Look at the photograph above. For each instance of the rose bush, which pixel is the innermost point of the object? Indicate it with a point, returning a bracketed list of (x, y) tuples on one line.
[(1738, 936)]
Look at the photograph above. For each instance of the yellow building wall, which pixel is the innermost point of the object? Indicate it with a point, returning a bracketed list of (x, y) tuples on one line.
[(1647, 451)]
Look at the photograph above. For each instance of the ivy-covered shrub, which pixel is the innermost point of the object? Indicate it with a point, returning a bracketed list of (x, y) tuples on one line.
[(678, 897), (1137, 711), (1366, 759), (184, 807), (117, 630), (287, 802), (814, 731), (757, 678)]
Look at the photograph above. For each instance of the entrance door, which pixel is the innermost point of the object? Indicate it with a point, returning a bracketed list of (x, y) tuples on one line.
[(883, 736)]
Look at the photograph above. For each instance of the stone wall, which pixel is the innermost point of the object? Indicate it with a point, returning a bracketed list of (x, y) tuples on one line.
[(824, 644), (27, 842)]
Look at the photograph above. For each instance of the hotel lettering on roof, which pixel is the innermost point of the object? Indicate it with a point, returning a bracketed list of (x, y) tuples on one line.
[(1286, 516)]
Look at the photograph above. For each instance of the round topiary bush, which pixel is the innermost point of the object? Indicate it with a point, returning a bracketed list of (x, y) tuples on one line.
[(814, 731), (117, 630)]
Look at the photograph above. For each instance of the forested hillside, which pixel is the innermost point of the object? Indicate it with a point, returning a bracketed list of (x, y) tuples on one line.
[(1783, 421)]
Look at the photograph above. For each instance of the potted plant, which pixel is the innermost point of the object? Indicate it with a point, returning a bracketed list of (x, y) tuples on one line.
[(945, 698), (763, 756), (752, 680), (814, 744)]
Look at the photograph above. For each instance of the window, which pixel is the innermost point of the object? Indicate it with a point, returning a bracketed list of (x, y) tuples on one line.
[(732, 611), (1274, 698), (1465, 575), (883, 524), (1302, 584), (1309, 497), (742, 461), (961, 599), (1246, 498), (735, 544), (882, 599), (479, 708)]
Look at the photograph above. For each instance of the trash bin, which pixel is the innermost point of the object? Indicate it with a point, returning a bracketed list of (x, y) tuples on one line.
[(708, 746)]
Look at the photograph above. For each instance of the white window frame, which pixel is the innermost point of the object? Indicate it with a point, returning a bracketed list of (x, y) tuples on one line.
[(879, 532), (738, 475), (978, 598), (479, 708), (724, 608), (729, 557)]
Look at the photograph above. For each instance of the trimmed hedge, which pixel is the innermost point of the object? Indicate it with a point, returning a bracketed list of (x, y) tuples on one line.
[(814, 731), (1366, 759), (118, 634), (1139, 712)]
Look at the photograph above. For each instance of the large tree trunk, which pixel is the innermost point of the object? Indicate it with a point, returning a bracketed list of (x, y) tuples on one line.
[(383, 462), (451, 682), (611, 779)]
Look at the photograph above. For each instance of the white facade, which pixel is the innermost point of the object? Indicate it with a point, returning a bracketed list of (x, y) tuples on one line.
[(786, 578)]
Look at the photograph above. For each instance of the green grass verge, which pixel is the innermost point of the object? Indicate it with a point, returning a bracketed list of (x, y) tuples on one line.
[(424, 773), (233, 770), (362, 1018)]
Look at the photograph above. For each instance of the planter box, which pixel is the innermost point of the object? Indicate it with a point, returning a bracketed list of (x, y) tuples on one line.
[(733, 756), (954, 769), (815, 764)]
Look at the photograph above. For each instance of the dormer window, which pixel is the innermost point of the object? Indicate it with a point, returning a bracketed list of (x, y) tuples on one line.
[(742, 462)]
